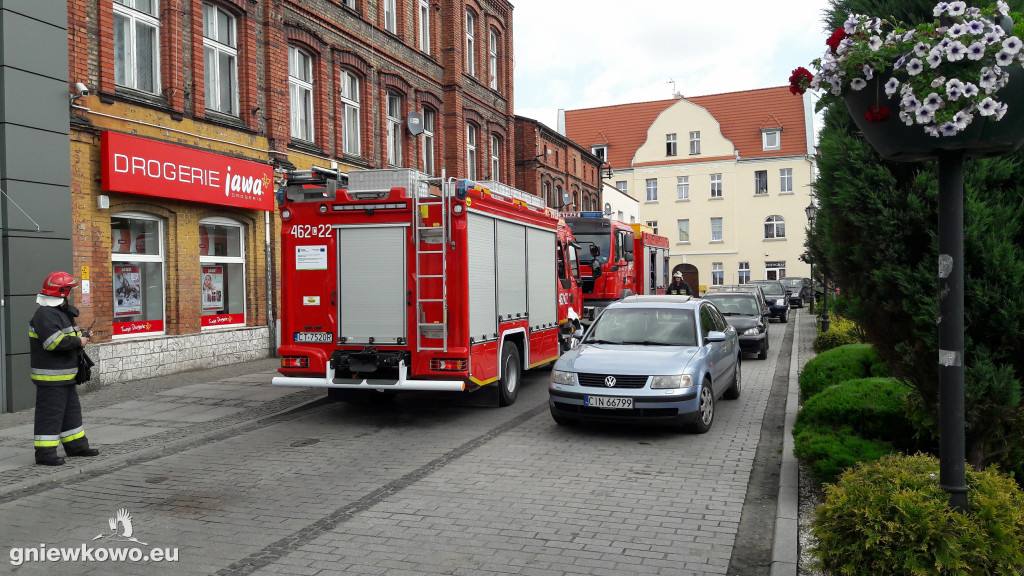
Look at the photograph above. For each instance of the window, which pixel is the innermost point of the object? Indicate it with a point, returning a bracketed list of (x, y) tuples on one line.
[(394, 117), (495, 157), (470, 43), (425, 26), (622, 186), (670, 144), (652, 189), (774, 227), (716, 229), (694, 142), (350, 114), (545, 192), (136, 45), (222, 273), (429, 119), (619, 218), (770, 139), (349, 3), (471, 152), (300, 92), (684, 230), (744, 273), (601, 152), (492, 68), (785, 180), (761, 182), (390, 20), (558, 197), (220, 53), (717, 274), (682, 187), (716, 185), (653, 224), (775, 270), (137, 257)]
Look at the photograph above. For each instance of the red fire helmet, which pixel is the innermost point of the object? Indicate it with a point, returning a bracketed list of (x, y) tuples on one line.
[(58, 284)]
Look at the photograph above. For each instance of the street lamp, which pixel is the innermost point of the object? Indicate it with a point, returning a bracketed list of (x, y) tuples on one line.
[(607, 169), (812, 213)]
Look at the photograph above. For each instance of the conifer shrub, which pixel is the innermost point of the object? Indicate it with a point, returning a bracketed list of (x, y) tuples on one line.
[(828, 452), (848, 362), (874, 408)]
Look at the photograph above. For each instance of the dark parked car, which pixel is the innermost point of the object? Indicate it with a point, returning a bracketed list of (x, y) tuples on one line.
[(743, 311), (778, 298), (800, 290), (754, 289)]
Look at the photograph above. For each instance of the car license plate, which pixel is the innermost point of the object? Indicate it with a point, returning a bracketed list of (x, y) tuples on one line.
[(314, 338), (608, 402)]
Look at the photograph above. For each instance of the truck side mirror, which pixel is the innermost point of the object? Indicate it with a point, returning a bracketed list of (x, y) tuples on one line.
[(595, 250), (595, 266)]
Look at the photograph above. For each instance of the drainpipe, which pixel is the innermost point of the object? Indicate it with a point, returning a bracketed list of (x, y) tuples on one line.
[(270, 285)]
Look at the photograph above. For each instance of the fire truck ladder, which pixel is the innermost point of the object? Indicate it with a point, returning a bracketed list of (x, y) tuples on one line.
[(431, 235)]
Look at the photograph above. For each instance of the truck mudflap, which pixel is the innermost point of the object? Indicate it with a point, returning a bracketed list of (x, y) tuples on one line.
[(329, 381)]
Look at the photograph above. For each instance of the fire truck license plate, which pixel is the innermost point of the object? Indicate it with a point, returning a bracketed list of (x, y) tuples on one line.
[(608, 402), (314, 338)]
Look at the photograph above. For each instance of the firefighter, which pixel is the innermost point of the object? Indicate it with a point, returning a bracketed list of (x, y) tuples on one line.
[(678, 286), (57, 347)]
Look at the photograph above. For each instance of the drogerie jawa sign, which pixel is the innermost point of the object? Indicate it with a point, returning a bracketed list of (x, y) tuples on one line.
[(143, 166)]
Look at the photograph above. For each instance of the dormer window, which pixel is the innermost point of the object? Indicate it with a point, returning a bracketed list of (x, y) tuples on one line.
[(771, 138), (601, 152)]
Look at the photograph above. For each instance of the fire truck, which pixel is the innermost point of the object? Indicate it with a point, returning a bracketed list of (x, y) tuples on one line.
[(614, 258), (396, 281)]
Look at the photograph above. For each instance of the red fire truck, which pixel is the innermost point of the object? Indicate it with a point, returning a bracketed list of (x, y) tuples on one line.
[(396, 281), (614, 259)]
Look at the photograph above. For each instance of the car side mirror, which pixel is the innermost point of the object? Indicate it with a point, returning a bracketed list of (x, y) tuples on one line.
[(578, 334), (715, 336)]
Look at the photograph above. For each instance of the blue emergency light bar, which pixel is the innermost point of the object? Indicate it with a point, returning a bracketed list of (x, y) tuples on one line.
[(462, 188), (591, 215)]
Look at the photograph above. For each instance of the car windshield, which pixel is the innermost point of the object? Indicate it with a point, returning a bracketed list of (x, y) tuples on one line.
[(646, 326), (734, 305), (773, 288), (794, 282)]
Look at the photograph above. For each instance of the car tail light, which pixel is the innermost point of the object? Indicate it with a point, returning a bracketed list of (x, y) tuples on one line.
[(449, 364), (295, 362)]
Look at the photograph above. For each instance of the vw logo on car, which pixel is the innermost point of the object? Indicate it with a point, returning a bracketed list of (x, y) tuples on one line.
[(609, 381)]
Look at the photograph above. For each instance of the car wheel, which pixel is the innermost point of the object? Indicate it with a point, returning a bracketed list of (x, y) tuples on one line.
[(737, 382), (511, 372), (763, 353), (785, 317), (706, 410)]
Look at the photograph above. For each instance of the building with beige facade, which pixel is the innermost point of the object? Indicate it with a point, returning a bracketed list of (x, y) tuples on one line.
[(726, 177)]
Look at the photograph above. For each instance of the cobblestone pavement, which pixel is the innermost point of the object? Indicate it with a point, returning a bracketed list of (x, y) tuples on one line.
[(245, 478)]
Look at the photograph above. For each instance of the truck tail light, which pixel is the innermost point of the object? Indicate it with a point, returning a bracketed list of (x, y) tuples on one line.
[(449, 364), (295, 362)]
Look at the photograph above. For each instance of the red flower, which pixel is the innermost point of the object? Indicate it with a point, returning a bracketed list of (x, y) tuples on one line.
[(800, 80), (837, 36), (876, 114)]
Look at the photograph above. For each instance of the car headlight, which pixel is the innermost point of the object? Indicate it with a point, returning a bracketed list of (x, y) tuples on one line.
[(562, 377), (673, 381), (780, 302), (751, 332)]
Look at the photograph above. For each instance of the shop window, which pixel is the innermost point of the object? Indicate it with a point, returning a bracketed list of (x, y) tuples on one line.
[(137, 258), (222, 273)]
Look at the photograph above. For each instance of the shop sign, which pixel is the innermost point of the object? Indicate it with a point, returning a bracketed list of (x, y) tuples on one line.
[(213, 287), (127, 291), (139, 327), (223, 320), (143, 166)]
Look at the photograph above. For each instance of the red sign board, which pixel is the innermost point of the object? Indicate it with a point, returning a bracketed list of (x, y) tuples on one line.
[(140, 327), (223, 319), (143, 166)]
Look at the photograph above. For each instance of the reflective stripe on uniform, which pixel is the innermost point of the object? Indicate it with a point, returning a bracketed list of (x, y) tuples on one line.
[(43, 375), (72, 434), (47, 441), (52, 342)]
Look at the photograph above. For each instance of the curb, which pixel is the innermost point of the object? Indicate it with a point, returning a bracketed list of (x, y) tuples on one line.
[(785, 545)]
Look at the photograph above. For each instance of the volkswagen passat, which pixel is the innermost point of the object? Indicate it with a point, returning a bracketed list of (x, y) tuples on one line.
[(649, 359)]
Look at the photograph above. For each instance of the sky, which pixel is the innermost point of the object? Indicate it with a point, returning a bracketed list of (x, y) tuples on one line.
[(573, 54)]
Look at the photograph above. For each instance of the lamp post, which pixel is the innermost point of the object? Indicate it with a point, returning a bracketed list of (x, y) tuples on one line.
[(812, 213)]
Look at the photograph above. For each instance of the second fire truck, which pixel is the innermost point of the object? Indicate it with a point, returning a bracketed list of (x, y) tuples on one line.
[(397, 281)]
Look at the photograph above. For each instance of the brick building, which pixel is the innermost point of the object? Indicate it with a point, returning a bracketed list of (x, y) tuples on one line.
[(195, 109), (548, 164)]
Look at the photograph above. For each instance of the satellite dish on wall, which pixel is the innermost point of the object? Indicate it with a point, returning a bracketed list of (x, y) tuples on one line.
[(607, 208), (566, 198), (414, 123)]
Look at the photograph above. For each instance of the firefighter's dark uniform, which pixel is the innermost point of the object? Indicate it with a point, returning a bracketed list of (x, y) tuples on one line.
[(681, 289), (54, 344)]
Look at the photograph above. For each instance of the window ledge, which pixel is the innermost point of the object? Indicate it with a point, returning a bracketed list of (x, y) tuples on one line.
[(226, 120), (682, 243), (760, 194), (782, 239), (305, 146), (715, 198), (143, 98), (650, 202), (682, 200), (717, 242), (786, 193)]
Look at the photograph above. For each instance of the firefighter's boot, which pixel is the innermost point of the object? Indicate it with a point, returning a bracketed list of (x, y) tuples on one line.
[(48, 457), (80, 447)]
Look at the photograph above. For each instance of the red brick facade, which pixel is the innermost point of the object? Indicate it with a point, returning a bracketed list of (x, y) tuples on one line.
[(548, 164)]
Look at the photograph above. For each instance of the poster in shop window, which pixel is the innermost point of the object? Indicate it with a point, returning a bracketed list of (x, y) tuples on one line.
[(127, 290), (213, 287)]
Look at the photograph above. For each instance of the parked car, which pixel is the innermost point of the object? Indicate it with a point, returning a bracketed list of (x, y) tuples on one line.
[(800, 290), (754, 289), (778, 298), (744, 313), (663, 359)]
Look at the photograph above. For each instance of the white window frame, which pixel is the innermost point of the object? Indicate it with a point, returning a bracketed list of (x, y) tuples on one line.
[(743, 273), (758, 181), (390, 17), (425, 26), (350, 114), (785, 180), (716, 185), (470, 43), (622, 186), (394, 120), (653, 224), (601, 152), (126, 9), (240, 259), (717, 274), (717, 222), (545, 192), (492, 50), (772, 227), (771, 139), (682, 187), (471, 151), (158, 257), (695, 142), (495, 157), (683, 228), (429, 122), (652, 189), (219, 46), (301, 87), (780, 271), (670, 145)]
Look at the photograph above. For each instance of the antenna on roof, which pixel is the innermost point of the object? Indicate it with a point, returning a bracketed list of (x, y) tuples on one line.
[(675, 93)]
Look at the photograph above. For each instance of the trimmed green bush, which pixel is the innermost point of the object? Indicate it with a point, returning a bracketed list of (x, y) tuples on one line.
[(891, 517), (841, 331), (849, 362), (829, 451), (874, 408)]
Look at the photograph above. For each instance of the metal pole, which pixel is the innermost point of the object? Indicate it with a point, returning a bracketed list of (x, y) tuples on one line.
[(814, 295), (825, 320), (951, 327)]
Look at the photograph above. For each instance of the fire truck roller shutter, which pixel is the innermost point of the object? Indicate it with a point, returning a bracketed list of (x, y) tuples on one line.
[(483, 303), (541, 278), (511, 264), (371, 270)]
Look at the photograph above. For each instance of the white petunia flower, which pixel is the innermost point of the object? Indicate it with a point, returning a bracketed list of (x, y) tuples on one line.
[(891, 86), (933, 101), (914, 67), (988, 107), (910, 103), (921, 49), (934, 58), (976, 27), (957, 8), (1001, 111), (994, 35), (1002, 7), (963, 119), (850, 26), (976, 51), (1012, 45), (858, 83), (907, 118), (924, 115), (874, 43), (954, 89), (931, 131), (1004, 58), (944, 43), (970, 90), (940, 8), (956, 51), (957, 30), (949, 129), (938, 81)]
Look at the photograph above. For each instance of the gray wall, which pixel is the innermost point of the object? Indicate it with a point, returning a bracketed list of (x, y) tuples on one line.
[(35, 174)]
